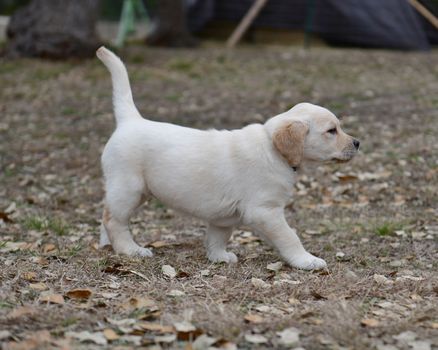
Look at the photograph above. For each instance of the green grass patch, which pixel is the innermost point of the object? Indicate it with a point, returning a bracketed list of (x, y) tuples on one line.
[(41, 223), (68, 111), (387, 228), (181, 66), (70, 321)]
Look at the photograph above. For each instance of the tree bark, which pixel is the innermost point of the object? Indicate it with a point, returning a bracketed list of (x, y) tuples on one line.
[(54, 29), (170, 26)]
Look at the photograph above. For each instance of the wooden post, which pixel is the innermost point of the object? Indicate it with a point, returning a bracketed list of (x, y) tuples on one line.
[(425, 12), (246, 22)]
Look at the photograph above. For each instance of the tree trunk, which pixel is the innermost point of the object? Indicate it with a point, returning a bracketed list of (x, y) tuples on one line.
[(54, 29), (170, 26)]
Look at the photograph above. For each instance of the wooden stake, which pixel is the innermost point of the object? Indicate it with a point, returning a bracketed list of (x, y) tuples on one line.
[(425, 12), (246, 22)]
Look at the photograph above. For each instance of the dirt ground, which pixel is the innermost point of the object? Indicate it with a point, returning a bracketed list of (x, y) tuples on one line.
[(373, 220)]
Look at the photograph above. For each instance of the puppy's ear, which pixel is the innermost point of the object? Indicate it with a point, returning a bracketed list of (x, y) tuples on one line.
[(289, 141)]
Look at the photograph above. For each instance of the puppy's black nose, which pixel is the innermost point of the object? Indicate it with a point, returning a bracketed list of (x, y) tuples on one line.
[(356, 143)]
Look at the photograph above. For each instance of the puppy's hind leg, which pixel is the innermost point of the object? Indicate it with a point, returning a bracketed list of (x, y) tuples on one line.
[(123, 196), (216, 242), (104, 240)]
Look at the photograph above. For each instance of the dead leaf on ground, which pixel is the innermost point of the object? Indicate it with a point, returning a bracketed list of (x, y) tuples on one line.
[(184, 326), (159, 244), (168, 338), (138, 303), (203, 342), (176, 293), (5, 217), (255, 338), (317, 295), (253, 318), (289, 336), (275, 266), (22, 311), (48, 247), (4, 334), (380, 279), (346, 177), (182, 274), (29, 275), (369, 322), (9, 247), (168, 271), (110, 334), (34, 341), (51, 298), (259, 283), (79, 294), (40, 260), (155, 327), (40, 286), (86, 336), (116, 269), (186, 331), (293, 301)]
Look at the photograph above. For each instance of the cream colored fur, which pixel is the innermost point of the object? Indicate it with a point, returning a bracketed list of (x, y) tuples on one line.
[(227, 178)]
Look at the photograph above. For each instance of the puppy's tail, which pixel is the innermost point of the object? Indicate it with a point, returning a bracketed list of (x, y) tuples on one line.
[(124, 107)]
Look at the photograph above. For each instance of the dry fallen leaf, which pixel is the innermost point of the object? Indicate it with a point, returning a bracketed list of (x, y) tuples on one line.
[(176, 293), (168, 338), (40, 260), (4, 334), (168, 270), (275, 266), (253, 318), (255, 338), (155, 327), (38, 286), (203, 342), (5, 217), (159, 244), (121, 323), (346, 177), (36, 340), (184, 326), (110, 334), (51, 298), (86, 336), (289, 336), (8, 247), (21, 311), (79, 294), (48, 247), (293, 301), (369, 322), (29, 275), (380, 279), (259, 283), (137, 303)]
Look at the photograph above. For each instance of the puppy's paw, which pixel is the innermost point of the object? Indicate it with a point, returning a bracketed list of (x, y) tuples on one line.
[(143, 252), (136, 251), (222, 256), (307, 261)]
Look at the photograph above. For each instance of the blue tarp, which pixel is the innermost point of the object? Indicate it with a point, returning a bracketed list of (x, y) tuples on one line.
[(391, 24)]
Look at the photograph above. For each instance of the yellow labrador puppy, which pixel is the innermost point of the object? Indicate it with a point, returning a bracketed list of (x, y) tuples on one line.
[(227, 178)]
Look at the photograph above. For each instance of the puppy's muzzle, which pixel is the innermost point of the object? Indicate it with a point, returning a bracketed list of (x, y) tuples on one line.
[(349, 152)]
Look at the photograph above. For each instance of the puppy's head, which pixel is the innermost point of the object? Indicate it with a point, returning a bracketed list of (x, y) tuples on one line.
[(313, 134)]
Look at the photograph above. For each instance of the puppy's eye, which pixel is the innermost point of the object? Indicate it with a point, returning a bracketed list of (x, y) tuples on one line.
[(332, 131)]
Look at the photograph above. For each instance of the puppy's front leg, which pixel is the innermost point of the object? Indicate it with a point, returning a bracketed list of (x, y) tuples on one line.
[(216, 242), (272, 224)]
